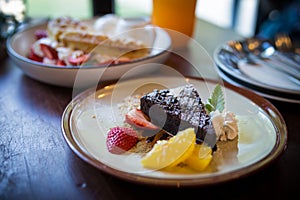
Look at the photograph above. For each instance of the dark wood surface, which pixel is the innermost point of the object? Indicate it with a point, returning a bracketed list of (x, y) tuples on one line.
[(37, 163)]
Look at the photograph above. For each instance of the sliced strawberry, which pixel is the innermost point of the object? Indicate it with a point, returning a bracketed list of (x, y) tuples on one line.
[(35, 57), (48, 51), (121, 139), (60, 63), (137, 118), (78, 60)]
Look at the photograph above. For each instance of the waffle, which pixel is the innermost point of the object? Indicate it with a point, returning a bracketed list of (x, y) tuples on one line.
[(79, 35), (60, 25), (89, 41)]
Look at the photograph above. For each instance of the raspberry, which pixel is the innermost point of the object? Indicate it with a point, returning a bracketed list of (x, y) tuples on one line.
[(121, 139)]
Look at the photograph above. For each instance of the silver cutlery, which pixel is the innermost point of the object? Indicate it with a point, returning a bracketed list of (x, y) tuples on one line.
[(248, 52), (284, 44), (265, 50)]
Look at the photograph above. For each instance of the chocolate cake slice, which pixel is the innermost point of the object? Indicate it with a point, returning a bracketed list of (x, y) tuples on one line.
[(177, 109)]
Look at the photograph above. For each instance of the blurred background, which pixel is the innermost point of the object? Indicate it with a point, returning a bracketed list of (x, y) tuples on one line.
[(240, 15), (246, 17)]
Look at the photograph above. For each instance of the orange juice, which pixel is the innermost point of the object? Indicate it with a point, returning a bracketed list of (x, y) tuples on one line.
[(177, 15)]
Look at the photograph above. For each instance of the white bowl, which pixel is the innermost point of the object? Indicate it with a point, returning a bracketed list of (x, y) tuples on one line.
[(18, 47)]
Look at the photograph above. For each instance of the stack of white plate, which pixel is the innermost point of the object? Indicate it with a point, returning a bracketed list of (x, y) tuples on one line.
[(261, 79)]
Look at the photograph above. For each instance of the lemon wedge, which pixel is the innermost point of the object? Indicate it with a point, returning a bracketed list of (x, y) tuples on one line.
[(200, 158), (168, 153)]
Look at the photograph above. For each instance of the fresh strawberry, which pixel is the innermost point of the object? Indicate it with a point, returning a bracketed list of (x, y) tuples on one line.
[(121, 139), (40, 34), (33, 56), (137, 118), (60, 63), (78, 60), (48, 51)]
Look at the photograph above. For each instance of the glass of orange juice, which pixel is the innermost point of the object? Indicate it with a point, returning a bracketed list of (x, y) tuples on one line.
[(177, 16)]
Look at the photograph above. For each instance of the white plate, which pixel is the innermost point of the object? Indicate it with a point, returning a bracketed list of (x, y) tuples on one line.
[(274, 96), (89, 116), (265, 80), (18, 47)]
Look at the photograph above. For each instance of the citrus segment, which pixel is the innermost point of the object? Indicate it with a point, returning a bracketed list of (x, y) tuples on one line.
[(200, 157), (167, 153)]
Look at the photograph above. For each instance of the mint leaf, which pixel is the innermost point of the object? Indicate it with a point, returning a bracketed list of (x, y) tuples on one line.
[(209, 108), (216, 100)]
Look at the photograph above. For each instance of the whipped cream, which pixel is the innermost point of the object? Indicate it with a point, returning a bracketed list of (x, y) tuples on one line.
[(64, 53), (225, 125), (128, 31)]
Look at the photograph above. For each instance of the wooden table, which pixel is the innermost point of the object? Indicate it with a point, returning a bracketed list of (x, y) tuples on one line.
[(37, 163)]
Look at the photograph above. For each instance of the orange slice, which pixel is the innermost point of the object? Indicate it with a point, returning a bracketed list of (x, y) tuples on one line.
[(168, 153), (200, 158)]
